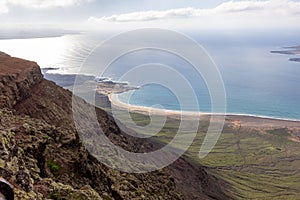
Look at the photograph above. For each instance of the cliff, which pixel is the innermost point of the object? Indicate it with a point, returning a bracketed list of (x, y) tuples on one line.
[(16, 78), (43, 157)]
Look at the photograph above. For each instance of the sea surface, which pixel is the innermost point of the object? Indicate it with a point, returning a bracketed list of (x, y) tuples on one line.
[(256, 81)]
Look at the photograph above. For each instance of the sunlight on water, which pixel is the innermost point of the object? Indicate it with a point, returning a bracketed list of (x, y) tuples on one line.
[(48, 52), (65, 52)]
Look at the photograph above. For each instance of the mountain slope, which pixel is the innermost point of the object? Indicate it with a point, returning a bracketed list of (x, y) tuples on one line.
[(44, 157)]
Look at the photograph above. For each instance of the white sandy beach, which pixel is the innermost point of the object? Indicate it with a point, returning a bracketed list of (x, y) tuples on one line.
[(243, 119)]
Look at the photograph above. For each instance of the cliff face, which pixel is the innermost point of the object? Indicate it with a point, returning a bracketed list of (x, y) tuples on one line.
[(16, 78), (42, 156)]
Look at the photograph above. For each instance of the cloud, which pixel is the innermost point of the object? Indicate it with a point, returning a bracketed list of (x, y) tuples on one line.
[(150, 15), (3, 7), (248, 8), (42, 4)]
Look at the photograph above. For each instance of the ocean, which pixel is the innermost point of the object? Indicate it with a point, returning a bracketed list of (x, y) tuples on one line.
[(256, 81)]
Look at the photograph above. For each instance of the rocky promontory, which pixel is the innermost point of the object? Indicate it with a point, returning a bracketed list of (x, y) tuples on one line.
[(42, 156)]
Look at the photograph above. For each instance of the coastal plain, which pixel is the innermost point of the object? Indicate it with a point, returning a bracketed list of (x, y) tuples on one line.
[(258, 156)]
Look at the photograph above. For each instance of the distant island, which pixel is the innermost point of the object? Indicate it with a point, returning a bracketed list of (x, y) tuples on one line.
[(20, 33), (295, 59), (295, 50)]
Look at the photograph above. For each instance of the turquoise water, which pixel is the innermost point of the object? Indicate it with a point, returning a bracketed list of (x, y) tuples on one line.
[(256, 81)]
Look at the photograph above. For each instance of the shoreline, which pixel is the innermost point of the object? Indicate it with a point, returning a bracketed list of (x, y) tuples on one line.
[(110, 93), (244, 119)]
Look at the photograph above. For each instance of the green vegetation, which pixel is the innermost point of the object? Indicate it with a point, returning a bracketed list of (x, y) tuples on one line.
[(55, 195), (261, 167), (138, 192), (46, 137), (52, 165), (259, 164), (140, 120)]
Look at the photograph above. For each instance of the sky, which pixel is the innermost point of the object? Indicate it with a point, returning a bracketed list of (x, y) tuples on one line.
[(130, 14)]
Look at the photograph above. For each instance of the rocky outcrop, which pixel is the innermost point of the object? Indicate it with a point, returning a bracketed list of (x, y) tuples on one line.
[(26, 161), (17, 76), (39, 166), (43, 157)]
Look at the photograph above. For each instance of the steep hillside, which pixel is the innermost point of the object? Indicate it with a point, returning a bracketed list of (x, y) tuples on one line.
[(42, 156)]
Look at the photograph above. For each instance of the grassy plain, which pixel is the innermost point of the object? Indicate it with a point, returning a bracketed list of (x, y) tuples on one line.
[(260, 160)]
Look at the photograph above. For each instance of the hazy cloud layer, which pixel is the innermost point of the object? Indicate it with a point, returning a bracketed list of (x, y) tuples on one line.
[(3, 7), (38, 4), (256, 9)]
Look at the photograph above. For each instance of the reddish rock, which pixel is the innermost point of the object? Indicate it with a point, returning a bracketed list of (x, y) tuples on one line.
[(17, 76)]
